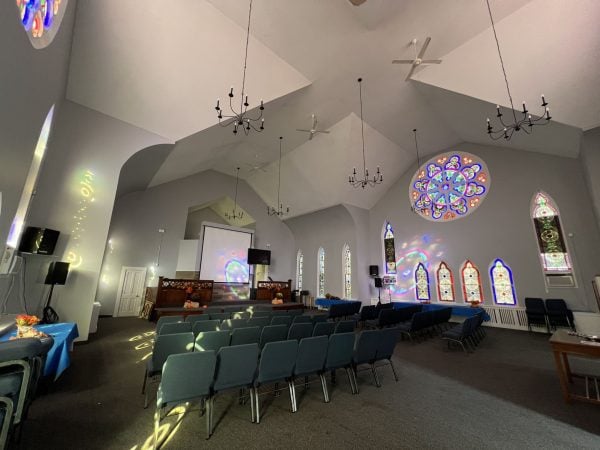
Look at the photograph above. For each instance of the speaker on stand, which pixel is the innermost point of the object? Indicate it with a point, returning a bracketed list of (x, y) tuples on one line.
[(57, 274), (378, 285)]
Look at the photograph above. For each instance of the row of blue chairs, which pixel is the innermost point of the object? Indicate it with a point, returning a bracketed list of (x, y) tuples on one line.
[(469, 333), (426, 322), (345, 309), (214, 339), (21, 366), (389, 317), (230, 324), (188, 376)]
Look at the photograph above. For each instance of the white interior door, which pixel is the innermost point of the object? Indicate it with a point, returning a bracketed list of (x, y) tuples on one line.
[(131, 291)]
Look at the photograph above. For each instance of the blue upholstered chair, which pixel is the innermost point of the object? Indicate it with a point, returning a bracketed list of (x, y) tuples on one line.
[(185, 377), (212, 340), (175, 327)]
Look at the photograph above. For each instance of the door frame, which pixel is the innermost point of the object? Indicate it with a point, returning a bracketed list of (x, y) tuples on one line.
[(120, 288)]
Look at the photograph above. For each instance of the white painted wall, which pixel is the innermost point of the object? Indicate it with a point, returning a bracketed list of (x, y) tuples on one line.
[(502, 227), (85, 142), (329, 228), (590, 160), (138, 215)]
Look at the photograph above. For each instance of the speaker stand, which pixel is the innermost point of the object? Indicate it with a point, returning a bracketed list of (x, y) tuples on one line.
[(49, 314)]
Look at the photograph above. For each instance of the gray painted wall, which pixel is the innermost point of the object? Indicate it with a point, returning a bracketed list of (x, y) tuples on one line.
[(137, 217), (590, 159), (194, 221), (501, 227), (329, 228)]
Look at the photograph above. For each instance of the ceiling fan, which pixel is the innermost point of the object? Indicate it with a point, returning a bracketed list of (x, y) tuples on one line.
[(357, 2), (418, 61), (313, 130), (256, 165)]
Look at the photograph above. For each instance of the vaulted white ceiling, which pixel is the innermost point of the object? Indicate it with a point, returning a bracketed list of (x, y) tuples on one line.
[(163, 68)]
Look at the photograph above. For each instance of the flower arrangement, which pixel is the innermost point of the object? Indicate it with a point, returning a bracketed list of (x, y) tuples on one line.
[(24, 320)]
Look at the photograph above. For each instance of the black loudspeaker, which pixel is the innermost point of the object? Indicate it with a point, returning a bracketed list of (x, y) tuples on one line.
[(57, 273), (373, 271), (378, 282), (39, 241)]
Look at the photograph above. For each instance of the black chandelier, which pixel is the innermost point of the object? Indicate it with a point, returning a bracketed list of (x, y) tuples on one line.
[(527, 121), (413, 206), (235, 214), (279, 210), (365, 180), (240, 120)]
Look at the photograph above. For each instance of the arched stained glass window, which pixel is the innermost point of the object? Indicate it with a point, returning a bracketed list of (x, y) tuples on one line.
[(389, 249), (445, 283), (299, 269), (422, 282), (503, 286), (347, 266), (551, 242), (471, 283), (321, 277)]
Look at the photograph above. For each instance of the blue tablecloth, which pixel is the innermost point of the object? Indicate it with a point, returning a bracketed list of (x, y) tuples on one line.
[(58, 358), (327, 302), (464, 311)]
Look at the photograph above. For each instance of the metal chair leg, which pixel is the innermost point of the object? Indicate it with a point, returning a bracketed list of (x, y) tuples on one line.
[(377, 383), (257, 407), (324, 387), (252, 405), (292, 395), (145, 379), (209, 417), (393, 369)]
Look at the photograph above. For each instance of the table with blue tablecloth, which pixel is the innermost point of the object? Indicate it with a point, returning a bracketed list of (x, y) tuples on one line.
[(58, 358), (457, 310), (327, 302)]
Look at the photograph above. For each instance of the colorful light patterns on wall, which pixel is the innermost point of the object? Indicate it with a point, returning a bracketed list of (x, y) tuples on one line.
[(551, 242), (347, 271), (86, 192), (471, 282), (38, 16), (445, 283), (422, 283), (421, 248), (503, 286), (321, 277), (449, 186)]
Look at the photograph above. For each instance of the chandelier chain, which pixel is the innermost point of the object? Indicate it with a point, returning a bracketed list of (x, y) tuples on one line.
[(246, 57), (362, 126), (512, 106)]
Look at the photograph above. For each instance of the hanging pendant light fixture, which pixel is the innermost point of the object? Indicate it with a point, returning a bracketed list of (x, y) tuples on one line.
[(278, 210), (239, 118), (413, 207), (527, 121), (365, 180), (235, 214)]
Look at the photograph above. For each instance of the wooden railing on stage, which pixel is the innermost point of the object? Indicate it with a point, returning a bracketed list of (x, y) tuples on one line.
[(266, 290), (172, 292)]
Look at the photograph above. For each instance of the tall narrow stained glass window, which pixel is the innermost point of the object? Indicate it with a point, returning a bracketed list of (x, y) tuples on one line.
[(503, 286), (445, 283), (321, 277), (422, 282), (299, 269), (389, 249), (347, 266), (471, 283), (551, 242)]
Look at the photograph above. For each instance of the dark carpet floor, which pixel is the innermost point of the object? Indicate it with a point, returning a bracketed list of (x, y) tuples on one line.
[(505, 395)]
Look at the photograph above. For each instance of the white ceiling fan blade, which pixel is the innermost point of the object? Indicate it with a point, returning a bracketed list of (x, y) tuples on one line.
[(306, 131), (424, 48), (321, 131), (311, 136), (403, 61), (431, 61), (412, 69), (314, 122)]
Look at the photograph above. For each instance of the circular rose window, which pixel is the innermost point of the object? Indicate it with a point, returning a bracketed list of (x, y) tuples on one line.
[(449, 186)]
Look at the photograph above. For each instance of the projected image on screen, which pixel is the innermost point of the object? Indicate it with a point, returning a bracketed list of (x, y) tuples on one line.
[(224, 255)]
